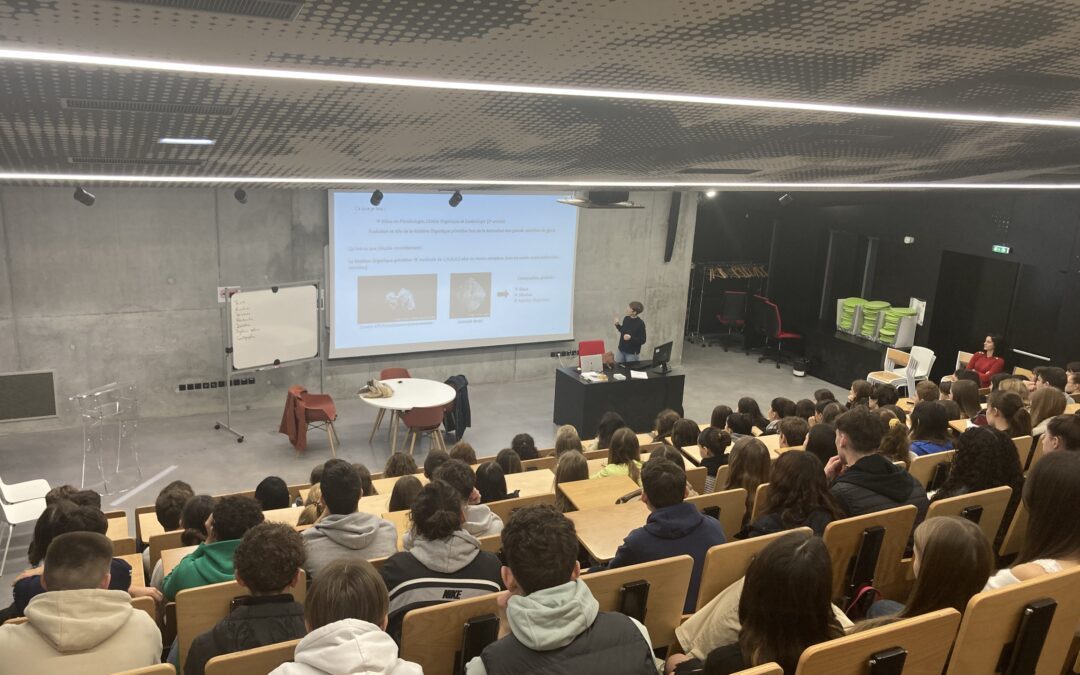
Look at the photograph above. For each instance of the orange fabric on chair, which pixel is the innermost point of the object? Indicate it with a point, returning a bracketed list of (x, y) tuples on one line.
[(302, 408)]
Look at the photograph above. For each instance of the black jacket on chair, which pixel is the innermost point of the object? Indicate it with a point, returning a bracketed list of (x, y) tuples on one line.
[(460, 418)]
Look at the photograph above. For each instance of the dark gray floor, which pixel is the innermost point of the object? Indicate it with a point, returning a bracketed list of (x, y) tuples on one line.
[(189, 448)]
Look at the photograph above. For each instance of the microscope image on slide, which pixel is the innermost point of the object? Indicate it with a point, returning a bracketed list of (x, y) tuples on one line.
[(470, 295), (396, 297)]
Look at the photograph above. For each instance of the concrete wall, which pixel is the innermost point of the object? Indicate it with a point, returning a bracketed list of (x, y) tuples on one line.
[(126, 290)]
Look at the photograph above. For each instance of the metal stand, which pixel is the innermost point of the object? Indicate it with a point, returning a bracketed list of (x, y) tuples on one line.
[(230, 371)]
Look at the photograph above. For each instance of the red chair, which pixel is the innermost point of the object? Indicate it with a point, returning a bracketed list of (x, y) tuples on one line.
[(319, 413), (589, 348), (424, 421), (387, 374), (775, 332)]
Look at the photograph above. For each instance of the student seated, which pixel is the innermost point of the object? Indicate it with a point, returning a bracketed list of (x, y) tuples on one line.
[(345, 532), (779, 408), (79, 625), (525, 447), (549, 619), (1046, 403), (804, 408), (367, 488), (435, 459), (167, 508), (1051, 376), (267, 562), (718, 419), (927, 391), (664, 424), (193, 519), (74, 495), (749, 463), (792, 431), (566, 439), (798, 497), (405, 490), (441, 561), (882, 395), (624, 456), (463, 451), (739, 425), (480, 521), (685, 433), (783, 609), (821, 442), (952, 562), (313, 506), (859, 394), (864, 481), (491, 484), (61, 518), (1062, 433), (572, 466), (1053, 537), (345, 611), (509, 461), (824, 395), (272, 493), (894, 444), (399, 464), (673, 526), (1006, 412), (749, 406), (713, 442), (929, 429), (212, 561)]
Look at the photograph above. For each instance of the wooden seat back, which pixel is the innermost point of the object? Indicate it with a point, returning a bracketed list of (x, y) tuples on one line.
[(922, 467), (125, 546), (722, 477), (1025, 373), (163, 542), (431, 636), (926, 639), (258, 661), (962, 359), (157, 669), (760, 498), (1023, 449), (764, 669), (992, 619), (894, 358), (727, 563), (539, 463), (732, 504), (993, 503), (504, 508), (843, 538), (198, 609), (695, 476), (1017, 532), (668, 580)]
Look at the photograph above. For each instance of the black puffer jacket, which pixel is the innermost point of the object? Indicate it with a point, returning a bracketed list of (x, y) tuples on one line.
[(260, 621), (874, 484)]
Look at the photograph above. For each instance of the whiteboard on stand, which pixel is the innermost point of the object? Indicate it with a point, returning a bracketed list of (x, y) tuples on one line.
[(270, 327)]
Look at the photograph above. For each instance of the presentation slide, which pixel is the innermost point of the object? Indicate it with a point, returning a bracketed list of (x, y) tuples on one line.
[(414, 274)]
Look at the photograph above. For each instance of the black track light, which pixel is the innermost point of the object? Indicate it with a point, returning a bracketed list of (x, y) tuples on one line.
[(240, 195), (455, 198), (376, 197), (84, 197), (786, 199)]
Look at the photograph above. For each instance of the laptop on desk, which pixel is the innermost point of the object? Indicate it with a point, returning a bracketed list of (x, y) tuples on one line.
[(593, 363)]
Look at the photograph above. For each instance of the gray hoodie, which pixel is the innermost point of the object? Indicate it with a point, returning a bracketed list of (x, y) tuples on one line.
[(355, 536), (480, 521), (551, 619)]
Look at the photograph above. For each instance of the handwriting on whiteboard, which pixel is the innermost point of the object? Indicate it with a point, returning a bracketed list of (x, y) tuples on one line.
[(245, 325)]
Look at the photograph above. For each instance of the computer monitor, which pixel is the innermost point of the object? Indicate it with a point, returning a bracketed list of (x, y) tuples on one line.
[(660, 357)]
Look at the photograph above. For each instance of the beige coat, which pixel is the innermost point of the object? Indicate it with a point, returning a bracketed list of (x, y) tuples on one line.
[(84, 632)]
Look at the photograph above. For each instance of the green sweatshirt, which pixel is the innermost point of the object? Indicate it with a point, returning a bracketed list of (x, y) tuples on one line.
[(208, 564)]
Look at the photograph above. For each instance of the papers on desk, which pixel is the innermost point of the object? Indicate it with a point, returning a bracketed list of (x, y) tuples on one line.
[(638, 375), (593, 376)]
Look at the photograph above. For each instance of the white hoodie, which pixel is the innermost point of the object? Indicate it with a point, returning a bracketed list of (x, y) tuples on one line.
[(84, 631), (348, 647)]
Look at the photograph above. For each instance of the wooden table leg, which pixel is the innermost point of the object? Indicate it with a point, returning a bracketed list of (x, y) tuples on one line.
[(393, 431)]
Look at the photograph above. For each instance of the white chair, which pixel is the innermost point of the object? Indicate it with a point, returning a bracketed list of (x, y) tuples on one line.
[(24, 491), (926, 358), (898, 370), (18, 514)]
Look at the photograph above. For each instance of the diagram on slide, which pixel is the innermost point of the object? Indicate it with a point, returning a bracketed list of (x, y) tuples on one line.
[(395, 298), (470, 295)]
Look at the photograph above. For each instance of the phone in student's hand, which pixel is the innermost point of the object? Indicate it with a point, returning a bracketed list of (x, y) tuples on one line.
[(479, 632)]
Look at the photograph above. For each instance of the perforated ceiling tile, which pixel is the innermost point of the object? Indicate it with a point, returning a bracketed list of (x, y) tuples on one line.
[(991, 56)]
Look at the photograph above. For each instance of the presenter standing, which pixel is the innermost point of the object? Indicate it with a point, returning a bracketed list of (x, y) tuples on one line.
[(631, 334)]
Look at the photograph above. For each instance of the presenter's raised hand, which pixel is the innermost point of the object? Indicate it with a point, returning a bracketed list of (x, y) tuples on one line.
[(616, 322)]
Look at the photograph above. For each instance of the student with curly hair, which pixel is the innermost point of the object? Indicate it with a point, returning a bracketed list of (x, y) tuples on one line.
[(798, 497), (267, 562), (524, 446), (212, 561), (399, 464)]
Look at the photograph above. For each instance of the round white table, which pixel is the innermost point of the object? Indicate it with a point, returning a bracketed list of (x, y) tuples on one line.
[(409, 393)]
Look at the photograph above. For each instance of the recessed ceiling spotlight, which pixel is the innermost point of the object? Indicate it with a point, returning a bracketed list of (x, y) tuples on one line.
[(710, 193), (84, 197), (241, 195), (186, 141), (785, 199), (455, 198), (376, 197)]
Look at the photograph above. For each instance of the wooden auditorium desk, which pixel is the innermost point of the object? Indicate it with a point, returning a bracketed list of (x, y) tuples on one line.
[(171, 557), (582, 404), (602, 530), (532, 483), (594, 493)]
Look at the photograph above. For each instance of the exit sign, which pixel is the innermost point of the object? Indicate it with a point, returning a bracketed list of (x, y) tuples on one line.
[(998, 248)]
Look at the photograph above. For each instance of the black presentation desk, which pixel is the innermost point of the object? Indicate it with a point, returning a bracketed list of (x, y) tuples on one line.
[(582, 403)]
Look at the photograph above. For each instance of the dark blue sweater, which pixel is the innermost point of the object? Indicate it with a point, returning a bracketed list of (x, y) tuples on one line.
[(671, 531), (635, 327)]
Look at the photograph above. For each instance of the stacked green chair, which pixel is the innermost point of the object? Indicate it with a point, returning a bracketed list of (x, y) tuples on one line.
[(891, 323), (870, 312), (845, 320)]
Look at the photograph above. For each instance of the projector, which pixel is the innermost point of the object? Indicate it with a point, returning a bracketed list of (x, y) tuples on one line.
[(601, 199)]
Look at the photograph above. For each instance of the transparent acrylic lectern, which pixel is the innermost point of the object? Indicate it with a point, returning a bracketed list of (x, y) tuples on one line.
[(110, 419)]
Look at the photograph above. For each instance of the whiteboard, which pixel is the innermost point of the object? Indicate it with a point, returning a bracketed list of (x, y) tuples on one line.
[(270, 327)]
